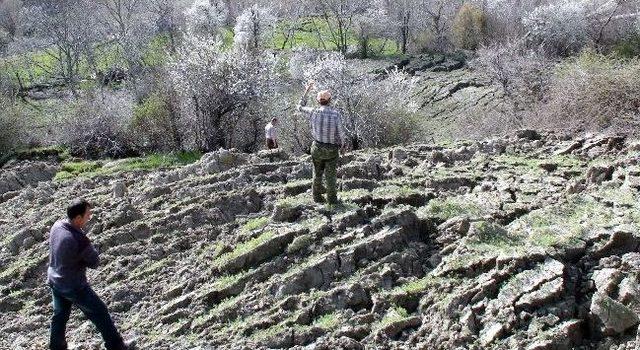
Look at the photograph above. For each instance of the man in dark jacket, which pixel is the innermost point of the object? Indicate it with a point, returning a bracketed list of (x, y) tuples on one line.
[(70, 253)]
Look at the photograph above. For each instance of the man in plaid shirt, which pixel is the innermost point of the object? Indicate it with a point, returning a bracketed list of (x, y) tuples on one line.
[(328, 140)]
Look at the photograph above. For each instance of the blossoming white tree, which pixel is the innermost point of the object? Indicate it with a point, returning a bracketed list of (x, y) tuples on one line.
[(254, 28), (221, 93), (205, 17)]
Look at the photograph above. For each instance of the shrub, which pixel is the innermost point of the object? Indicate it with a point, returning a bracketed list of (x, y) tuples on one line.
[(566, 27), (468, 27), (521, 72), (628, 47), (595, 91), (155, 127), (11, 128), (561, 27), (99, 126)]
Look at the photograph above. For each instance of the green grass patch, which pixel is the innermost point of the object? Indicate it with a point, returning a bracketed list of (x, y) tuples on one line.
[(314, 32), (564, 223), (420, 285), (256, 223), (148, 269), (70, 170), (155, 161), (243, 248), (491, 238), (300, 182), (300, 243), (60, 152), (228, 280), (450, 207), (393, 315), (393, 191), (621, 196), (291, 202), (328, 321), (533, 164), (355, 193)]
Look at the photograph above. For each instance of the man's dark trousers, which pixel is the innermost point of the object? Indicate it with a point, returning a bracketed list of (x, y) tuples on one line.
[(92, 307), (325, 160)]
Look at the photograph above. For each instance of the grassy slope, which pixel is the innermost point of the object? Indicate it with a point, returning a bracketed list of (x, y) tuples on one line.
[(73, 169)]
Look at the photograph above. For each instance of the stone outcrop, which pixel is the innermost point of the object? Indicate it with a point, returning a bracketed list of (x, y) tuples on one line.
[(527, 241)]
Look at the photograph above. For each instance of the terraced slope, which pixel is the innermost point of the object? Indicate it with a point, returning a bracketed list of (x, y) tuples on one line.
[(524, 242)]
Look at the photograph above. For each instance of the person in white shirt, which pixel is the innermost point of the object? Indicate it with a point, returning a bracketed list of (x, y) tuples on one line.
[(271, 134)]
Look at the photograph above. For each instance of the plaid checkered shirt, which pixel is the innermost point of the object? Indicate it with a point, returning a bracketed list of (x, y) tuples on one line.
[(326, 123)]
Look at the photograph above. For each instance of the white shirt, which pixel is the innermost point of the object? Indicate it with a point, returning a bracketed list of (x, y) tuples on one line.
[(270, 131)]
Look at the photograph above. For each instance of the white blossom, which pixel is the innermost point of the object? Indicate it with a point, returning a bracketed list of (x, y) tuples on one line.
[(253, 28), (206, 17)]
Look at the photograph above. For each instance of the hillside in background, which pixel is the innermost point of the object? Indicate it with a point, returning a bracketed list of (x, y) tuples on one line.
[(123, 78)]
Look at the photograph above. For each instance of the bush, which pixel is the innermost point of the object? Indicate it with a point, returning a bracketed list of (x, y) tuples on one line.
[(98, 127), (562, 28), (595, 92), (628, 47), (468, 27), (521, 72), (11, 128), (565, 28), (155, 126)]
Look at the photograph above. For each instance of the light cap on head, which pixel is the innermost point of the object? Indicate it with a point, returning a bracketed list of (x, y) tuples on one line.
[(324, 95)]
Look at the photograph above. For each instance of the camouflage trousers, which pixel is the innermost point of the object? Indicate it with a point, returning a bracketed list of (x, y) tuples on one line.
[(325, 161)]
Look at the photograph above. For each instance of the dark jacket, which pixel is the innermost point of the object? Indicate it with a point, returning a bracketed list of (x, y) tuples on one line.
[(70, 253)]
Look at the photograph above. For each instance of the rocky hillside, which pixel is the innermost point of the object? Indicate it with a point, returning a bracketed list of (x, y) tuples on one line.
[(529, 241), (452, 98)]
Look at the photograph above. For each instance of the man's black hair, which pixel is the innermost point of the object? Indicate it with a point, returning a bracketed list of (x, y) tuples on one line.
[(77, 208)]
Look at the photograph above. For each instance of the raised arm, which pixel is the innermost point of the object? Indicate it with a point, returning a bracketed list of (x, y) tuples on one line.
[(302, 105)]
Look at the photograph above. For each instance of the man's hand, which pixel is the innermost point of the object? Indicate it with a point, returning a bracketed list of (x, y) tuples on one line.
[(309, 86)]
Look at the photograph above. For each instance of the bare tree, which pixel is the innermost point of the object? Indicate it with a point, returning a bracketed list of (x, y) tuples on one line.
[(9, 16), (290, 15), (522, 73), (373, 23), (11, 127), (168, 16), (128, 24), (339, 17), (405, 16), (439, 16), (67, 34)]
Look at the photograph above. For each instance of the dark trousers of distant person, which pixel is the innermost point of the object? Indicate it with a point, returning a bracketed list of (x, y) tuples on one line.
[(92, 307), (271, 144)]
